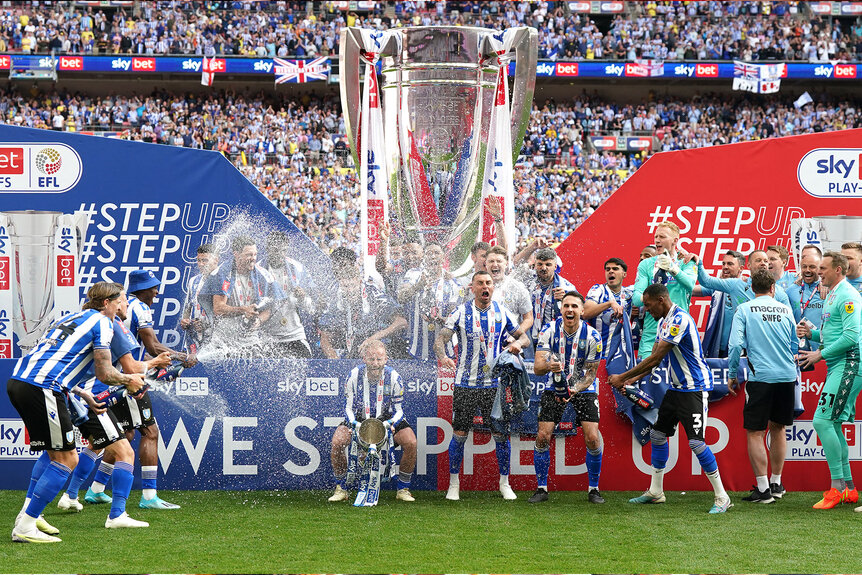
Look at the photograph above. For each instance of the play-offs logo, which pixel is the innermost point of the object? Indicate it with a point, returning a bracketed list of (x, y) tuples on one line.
[(47, 167), (831, 172)]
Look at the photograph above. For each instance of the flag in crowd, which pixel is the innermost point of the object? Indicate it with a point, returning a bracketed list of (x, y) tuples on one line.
[(300, 71), (758, 78)]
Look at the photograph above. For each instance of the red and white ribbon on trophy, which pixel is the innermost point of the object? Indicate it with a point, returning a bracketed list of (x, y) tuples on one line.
[(499, 170), (373, 175)]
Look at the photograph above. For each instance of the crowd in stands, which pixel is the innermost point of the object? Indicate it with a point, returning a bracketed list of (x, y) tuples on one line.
[(749, 30), (296, 151)]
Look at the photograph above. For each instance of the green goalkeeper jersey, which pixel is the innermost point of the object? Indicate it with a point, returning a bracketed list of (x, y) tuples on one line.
[(679, 288), (839, 323)]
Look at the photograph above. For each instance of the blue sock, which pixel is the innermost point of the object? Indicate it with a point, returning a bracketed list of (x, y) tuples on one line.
[(49, 485), (704, 455), (103, 475), (660, 455), (86, 463), (38, 469), (148, 476), (594, 466), (504, 450), (123, 476), (342, 481), (404, 479), (542, 462), (456, 452)]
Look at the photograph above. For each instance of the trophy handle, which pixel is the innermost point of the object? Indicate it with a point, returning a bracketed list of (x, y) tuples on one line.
[(349, 68), (526, 47)]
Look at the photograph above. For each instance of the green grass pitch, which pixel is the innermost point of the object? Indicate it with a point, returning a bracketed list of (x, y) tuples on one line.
[(299, 532)]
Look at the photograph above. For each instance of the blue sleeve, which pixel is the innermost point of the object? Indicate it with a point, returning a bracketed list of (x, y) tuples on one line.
[(715, 284), (102, 333), (781, 296), (687, 276), (792, 295), (736, 342), (122, 342)]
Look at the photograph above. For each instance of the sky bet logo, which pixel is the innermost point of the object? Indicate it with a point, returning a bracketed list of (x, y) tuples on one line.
[(831, 172), (321, 386), (837, 71)]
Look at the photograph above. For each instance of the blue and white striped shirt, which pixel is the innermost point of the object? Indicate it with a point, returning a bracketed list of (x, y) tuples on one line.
[(363, 394), (585, 342), (686, 364), (122, 343), (139, 317), (63, 355), (481, 336), (604, 322)]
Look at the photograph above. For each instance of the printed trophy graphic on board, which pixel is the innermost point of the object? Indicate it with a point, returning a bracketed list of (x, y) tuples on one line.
[(432, 125), (39, 256)]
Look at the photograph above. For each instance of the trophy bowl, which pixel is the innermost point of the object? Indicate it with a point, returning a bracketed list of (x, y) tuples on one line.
[(372, 432)]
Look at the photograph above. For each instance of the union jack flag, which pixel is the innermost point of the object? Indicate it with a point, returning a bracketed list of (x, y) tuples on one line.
[(746, 70), (300, 71)]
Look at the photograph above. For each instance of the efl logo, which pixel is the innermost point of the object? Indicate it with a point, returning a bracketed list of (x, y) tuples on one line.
[(831, 172), (65, 271), (144, 64), (193, 386), (14, 443), (605, 143), (11, 161), (845, 70), (4, 273), (71, 63), (321, 386), (706, 70), (567, 68)]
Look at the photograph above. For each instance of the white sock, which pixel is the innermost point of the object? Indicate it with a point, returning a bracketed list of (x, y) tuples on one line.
[(26, 504), (454, 479), (762, 483), (149, 493), (97, 487), (504, 480), (775, 478), (656, 486), (717, 486)]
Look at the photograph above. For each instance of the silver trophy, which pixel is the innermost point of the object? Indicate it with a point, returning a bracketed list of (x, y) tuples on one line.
[(45, 251), (437, 87)]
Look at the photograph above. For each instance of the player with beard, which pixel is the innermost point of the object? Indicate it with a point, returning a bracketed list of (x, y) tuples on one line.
[(284, 329), (137, 413), (197, 320), (429, 294), (805, 296), (374, 380), (668, 269), (549, 291), (684, 402), (571, 350), (509, 291), (609, 302), (717, 334), (481, 326), (739, 290)]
